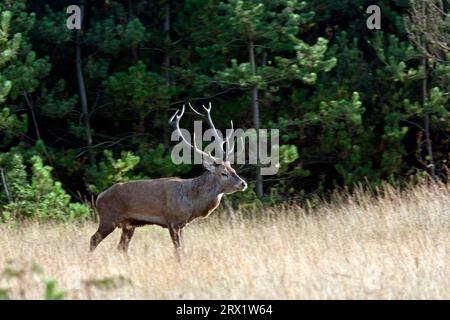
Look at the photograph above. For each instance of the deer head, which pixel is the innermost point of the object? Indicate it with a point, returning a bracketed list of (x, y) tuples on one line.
[(220, 170)]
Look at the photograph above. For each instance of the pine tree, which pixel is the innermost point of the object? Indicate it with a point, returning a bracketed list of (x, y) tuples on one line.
[(262, 41)]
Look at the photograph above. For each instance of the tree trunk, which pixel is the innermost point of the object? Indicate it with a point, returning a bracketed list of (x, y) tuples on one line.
[(255, 111), (82, 90), (428, 144), (165, 67)]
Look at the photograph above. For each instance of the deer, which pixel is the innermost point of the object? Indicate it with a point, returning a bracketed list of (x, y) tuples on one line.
[(171, 202)]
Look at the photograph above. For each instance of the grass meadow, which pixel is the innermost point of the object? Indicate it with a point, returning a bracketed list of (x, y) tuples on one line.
[(394, 246)]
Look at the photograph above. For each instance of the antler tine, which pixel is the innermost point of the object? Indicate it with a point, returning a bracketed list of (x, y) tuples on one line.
[(182, 112), (174, 115), (209, 119), (209, 107), (177, 118), (230, 150), (196, 112), (226, 142), (210, 122), (205, 154)]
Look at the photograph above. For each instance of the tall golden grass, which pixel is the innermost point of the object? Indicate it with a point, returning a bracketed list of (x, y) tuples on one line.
[(390, 246)]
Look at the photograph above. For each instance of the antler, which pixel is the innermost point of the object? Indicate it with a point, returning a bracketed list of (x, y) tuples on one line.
[(177, 116), (223, 142), (209, 119)]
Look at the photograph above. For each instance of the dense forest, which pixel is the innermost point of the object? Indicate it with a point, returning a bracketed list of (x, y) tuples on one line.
[(83, 109)]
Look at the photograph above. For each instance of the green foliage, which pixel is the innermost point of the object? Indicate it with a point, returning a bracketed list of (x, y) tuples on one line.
[(11, 126), (36, 196), (347, 100), (288, 155), (157, 162), (112, 36), (51, 290), (52, 26), (54, 103), (8, 51), (27, 70), (137, 85), (274, 26), (112, 170)]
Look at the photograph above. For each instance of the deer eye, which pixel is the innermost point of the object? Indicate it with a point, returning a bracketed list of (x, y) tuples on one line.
[(224, 175)]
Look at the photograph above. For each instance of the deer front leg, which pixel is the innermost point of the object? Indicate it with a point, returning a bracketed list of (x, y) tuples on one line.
[(175, 234)]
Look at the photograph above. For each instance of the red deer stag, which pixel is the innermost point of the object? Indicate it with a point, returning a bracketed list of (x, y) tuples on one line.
[(168, 202)]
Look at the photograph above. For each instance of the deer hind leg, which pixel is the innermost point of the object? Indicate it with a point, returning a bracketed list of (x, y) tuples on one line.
[(180, 237), (127, 234), (175, 234), (103, 231)]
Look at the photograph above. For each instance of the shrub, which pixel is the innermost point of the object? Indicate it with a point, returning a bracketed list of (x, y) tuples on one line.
[(34, 195)]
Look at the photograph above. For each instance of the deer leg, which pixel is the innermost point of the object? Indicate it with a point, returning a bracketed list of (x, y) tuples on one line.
[(127, 234), (175, 234), (180, 236), (102, 232)]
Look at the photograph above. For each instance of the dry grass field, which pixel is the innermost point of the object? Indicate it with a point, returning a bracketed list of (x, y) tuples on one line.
[(360, 247)]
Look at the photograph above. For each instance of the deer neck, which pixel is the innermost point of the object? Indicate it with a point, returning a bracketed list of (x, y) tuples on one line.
[(206, 194), (206, 186)]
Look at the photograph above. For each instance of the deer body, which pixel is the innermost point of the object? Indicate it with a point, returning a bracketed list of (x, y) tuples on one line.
[(168, 202)]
